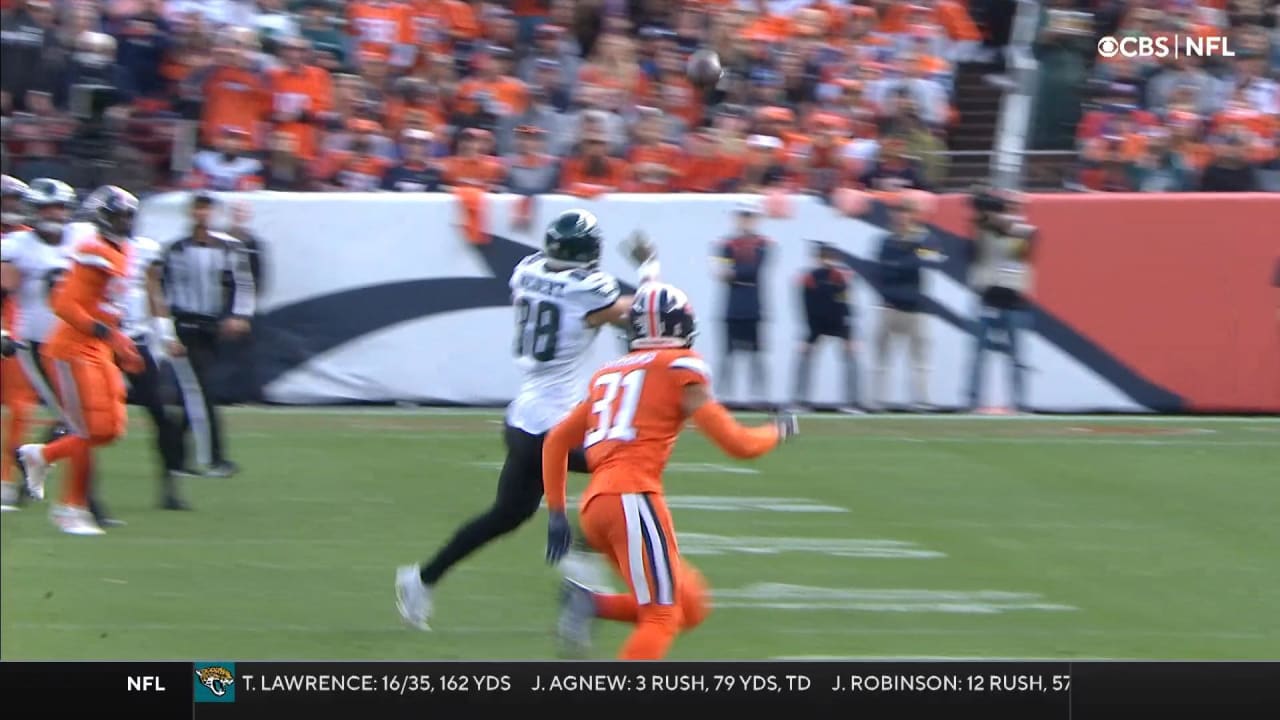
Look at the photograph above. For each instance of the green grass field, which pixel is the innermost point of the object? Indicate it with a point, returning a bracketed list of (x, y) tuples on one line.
[(869, 537)]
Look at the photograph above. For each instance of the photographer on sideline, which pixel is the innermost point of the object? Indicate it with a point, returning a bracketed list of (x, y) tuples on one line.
[(903, 258), (1000, 273), (828, 311)]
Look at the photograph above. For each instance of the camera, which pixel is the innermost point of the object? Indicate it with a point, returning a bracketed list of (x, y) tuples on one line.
[(987, 202)]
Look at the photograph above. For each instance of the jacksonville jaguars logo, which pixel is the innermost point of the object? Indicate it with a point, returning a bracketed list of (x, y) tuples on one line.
[(216, 678)]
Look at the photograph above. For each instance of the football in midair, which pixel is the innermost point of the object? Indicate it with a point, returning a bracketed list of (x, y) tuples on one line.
[(704, 68)]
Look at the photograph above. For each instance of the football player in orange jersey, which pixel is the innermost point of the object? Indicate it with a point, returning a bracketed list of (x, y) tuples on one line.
[(628, 426), (84, 347)]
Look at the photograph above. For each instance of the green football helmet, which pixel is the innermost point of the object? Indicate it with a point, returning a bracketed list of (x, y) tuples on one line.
[(573, 240)]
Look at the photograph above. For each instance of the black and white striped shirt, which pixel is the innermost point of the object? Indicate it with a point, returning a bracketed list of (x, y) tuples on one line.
[(198, 276)]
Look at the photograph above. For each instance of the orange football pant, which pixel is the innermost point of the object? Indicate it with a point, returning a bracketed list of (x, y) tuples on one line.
[(91, 392), (667, 595), (16, 396)]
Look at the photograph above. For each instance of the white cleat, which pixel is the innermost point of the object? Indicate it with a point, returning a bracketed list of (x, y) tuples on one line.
[(413, 598), (577, 611), (34, 468), (75, 521), (9, 497)]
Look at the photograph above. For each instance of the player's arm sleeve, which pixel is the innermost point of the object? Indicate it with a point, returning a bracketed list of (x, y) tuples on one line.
[(596, 294), (555, 455), (714, 421), (85, 280), (736, 440)]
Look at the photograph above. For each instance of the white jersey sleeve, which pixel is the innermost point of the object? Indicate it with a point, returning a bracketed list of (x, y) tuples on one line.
[(552, 338), (11, 246), (40, 266), (593, 291), (144, 253)]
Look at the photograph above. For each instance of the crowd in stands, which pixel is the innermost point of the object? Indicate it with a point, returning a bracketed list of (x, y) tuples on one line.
[(591, 96), (582, 96), (1174, 124)]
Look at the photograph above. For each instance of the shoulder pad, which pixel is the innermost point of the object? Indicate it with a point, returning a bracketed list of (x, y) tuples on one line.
[(596, 284), (692, 362), (523, 266), (92, 253), (14, 245)]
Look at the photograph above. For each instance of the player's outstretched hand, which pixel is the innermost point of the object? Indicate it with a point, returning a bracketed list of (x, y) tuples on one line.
[(559, 536), (639, 248), (788, 425)]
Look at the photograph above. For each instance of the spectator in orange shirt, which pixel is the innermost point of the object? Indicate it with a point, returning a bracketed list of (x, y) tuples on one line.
[(412, 94), (300, 94), (360, 167), (673, 92), (655, 163), (234, 94), (492, 92), (707, 167), (382, 27), (613, 65), (821, 165), (775, 28), (439, 24), (473, 166), (593, 172)]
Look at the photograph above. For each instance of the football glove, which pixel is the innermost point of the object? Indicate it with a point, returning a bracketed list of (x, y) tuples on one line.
[(8, 346), (788, 426), (559, 537), (639, 249)]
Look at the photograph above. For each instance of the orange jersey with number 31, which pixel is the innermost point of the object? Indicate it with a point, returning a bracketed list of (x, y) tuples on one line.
[(634, 416)]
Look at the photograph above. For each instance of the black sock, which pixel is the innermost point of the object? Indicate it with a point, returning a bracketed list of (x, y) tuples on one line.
[(477, 533)]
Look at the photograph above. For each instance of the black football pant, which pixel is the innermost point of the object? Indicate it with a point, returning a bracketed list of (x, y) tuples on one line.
[(518, 498)]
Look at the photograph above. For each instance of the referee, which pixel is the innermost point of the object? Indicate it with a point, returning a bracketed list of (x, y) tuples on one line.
[(199, 272)]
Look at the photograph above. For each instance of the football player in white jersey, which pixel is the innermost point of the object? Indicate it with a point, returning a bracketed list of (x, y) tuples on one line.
[(16, 396), (561, 298), (148, 323), (31, 262)]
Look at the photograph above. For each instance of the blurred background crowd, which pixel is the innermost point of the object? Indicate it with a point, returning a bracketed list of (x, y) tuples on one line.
[(592, 96)]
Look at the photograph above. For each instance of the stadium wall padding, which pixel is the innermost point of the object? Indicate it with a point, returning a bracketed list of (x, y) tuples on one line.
[(1142, 302)]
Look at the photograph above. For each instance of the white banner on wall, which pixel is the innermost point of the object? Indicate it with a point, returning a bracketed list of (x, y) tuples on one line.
[(341, 259)]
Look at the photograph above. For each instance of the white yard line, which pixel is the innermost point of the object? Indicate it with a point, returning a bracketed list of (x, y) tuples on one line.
[(380, 411)]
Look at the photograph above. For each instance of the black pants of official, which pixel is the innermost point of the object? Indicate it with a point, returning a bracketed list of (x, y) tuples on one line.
[(518, 498), (152, 391), (201, 342)]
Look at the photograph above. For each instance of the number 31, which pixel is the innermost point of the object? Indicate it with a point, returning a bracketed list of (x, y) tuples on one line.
[(615, 423)]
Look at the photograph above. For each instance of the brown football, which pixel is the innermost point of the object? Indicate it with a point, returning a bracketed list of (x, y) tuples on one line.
[(704, 68)]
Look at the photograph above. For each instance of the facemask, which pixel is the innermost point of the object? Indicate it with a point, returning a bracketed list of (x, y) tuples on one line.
[(12, 218), (50, 229), (92, 60)]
